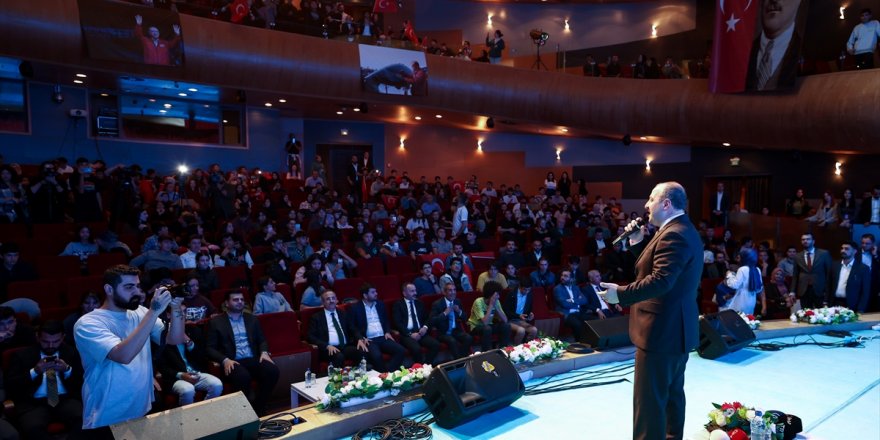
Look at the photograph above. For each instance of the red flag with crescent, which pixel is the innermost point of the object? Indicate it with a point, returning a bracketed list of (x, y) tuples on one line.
[(385, 6), (735, 22), (239, 10)]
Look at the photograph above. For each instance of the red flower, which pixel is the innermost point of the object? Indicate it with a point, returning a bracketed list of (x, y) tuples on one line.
[(383, 376), (526, 345), (727, 406), (751, 317), (737, 405), (417, 366), (508, 349), (809, 313)]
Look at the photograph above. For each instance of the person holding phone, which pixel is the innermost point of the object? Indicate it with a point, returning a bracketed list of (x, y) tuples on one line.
[(517, 306)]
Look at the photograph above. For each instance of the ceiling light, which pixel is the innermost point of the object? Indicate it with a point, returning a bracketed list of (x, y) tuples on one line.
[(837, 170), (167, 105), (438, 116), (653, 31), (182, 169), (559, 154), (479, 145), (643, 138), (282, 100), (152, 100), (181, 94), (163, 111), (726, 144), (77, 81), (402, 146), (567, 27), (356, 109), (344, 132), (648, 164), (564, 130), (104, 95), (81, 75), (842, 17), (193, 89), (338, 112), (225, 121), (418, 118), (268, 104)]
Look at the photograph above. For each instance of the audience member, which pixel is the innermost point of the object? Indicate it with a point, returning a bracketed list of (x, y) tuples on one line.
[(487, 318), (517, 307), (850, 281), (542, 277), (372, 331), (13, 268), (410, 319), (747, 284), (604, 310), (812, 273), (869, 213), (328, 330), (182, 367), (574, 305), (493, 273), (446, 314), (455, 275), (269, 300)]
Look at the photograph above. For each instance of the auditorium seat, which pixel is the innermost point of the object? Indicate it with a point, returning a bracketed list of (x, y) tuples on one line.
[(542, 312), (348, 288), (232, 276), (14, 232), (58, 267), (291, 355), (48, 293), (370, 267), (398, 265), (388, 286), (77, 286), (98, 263)]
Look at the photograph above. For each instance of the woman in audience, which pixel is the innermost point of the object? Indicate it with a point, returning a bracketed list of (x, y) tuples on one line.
[(83, 247), (269, 300), (564, 185), (550, 185), (496, 47), (797, 206), (748, 285), (418, 221), (827, 212), (779, 302), (847, 208), (311, 297)]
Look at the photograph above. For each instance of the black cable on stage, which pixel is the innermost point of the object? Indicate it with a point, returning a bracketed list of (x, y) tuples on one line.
[(273, 428), (581, 375), (402, 429), (850, 341)]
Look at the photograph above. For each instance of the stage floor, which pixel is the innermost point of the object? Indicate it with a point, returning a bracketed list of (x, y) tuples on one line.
[(835, 391)]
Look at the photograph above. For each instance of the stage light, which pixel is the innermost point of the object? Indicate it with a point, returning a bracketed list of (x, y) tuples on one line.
[(105, 95), (418, 118), (182, 169), (402, 139), (564, 130), (163, 111), (558, 154), (181, 94), (356, 109), (643, 138), (479, 145), (837, 165), (567, 27), (734, 161), (166, 105), (344, 132), (653, 31), (490, 122), (842, 8), (648, 164), (77, 81), (193, 89), (338, 112), (489, 21)]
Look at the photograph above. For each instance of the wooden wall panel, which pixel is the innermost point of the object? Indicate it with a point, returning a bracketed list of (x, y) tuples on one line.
[(832, 111)]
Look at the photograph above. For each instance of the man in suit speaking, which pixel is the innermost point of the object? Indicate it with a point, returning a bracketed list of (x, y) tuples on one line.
[(663, 323)]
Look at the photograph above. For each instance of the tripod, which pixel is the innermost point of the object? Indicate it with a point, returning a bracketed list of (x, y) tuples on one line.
[(538, 64)]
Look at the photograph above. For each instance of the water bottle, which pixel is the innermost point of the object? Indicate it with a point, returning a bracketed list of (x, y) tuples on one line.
[(757, 426), (362, 367), (308, 378)]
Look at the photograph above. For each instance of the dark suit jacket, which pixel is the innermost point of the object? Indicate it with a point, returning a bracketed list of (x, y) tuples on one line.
[(663, 316), (514, 258), (532, 259), (440, 322), (21, 387), (319, 333), (221, 341), (400, 315), (858, 286), (508, 304), (581, 301), (358, 319), (725, 202), (592, 247), (352, 175), (875, 272), (864, 215), (171, 363), (819, 276), (785, 74)]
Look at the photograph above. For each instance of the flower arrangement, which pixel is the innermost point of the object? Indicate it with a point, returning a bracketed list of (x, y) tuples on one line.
[(750, 320), (825, 315), (730, 416), (343, 386), (536, 349)]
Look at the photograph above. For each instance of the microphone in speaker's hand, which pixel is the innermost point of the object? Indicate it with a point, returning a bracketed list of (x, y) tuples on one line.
[(633, 230), (610, 293)]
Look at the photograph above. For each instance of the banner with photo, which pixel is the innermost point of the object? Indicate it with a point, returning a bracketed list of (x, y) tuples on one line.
[(391, 71), (757, 44), (125, 32)]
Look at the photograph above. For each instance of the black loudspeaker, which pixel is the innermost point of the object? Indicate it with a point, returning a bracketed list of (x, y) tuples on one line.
[(602, 334), (462, 390), (225, 417), (721, 333)]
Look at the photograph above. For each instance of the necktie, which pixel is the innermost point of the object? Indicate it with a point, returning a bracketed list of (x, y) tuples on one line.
[(51, 388), (764, 69), (809, 261), (338, 328), (412, 315), (451, 320)]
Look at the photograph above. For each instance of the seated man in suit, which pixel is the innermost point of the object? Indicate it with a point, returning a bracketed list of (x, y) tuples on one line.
[(235, 340), (542, 277), (534, 257), (598, 244), (37, 400), (408, 316), (372, 331), (183, 367), (572, 303), (327, 330), (445, 315), (604, 310), (518, 308)]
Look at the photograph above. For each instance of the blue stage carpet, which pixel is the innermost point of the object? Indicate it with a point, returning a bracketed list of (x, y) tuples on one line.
[(836, 391)]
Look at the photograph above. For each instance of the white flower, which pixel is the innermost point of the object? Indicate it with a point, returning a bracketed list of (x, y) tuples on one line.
[(374, 380), (720, 419), (750, 414), (325, 400)]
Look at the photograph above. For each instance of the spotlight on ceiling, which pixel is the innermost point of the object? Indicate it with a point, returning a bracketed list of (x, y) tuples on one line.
[(490, 122), (627, 140)]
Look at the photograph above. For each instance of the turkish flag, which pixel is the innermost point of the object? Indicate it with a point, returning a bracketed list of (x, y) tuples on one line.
[(385, 6), (735, 22), (239, 10)]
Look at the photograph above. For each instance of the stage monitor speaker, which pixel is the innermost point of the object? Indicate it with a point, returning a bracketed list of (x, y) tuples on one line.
[(464, 389), (221, 418), (608, 333), (723, 332)]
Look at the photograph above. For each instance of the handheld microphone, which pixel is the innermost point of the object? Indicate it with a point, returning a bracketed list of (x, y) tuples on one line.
[(625, 235)]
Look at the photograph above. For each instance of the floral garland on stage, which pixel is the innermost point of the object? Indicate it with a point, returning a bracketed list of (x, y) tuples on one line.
[(750, 320), (341, 387), (825, 315), (535, 350), (730, 417)]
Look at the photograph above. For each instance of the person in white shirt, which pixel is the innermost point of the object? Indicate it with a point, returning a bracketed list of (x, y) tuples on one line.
[(460, 219), (863, 40), (188, 258)]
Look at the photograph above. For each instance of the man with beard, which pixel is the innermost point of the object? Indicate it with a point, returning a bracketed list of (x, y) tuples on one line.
[(116, 355), (37, 400)]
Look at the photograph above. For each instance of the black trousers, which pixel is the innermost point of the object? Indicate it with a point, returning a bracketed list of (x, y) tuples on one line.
[(658, 395), (485, 332), (459, 342), (381, 345), (415, 348), (865, 61), (35, 417), (349, 352), (264, 373)]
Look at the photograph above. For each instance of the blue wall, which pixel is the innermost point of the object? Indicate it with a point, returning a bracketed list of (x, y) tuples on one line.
[(330, 132)]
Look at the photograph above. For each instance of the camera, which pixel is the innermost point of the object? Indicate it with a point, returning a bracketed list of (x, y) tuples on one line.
[(52, 358), (177, 290)]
